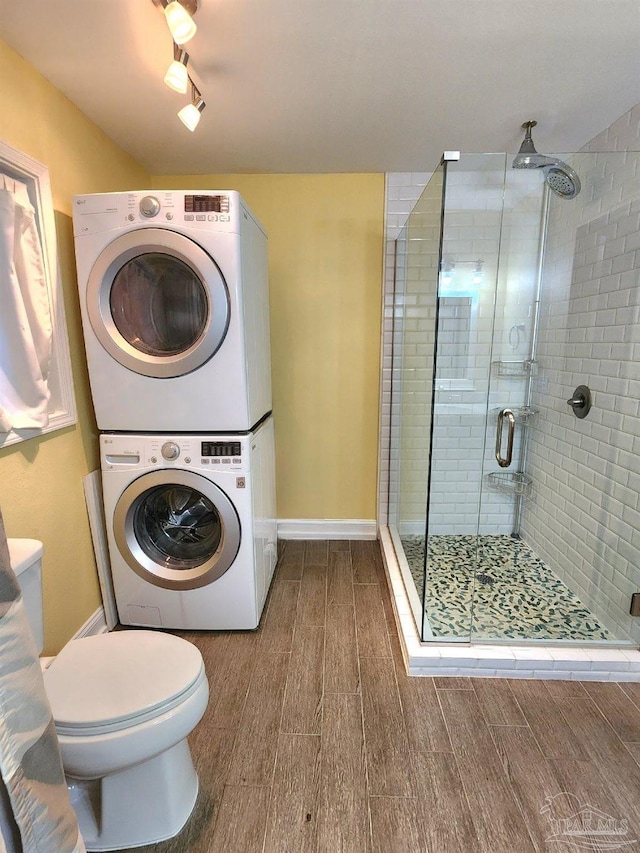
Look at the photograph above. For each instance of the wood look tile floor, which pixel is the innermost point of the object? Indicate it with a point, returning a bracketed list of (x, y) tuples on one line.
[(316, 741)]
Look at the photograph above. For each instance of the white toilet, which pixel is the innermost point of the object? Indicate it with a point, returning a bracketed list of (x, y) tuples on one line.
[(123, 704)]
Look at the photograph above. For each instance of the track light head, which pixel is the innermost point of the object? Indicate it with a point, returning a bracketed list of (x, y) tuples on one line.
[(190, 115), (179, 15), (177, 76), (180, 22)]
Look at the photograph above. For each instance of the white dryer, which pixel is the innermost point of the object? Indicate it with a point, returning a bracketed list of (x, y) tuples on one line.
[(191, 526), (175, 310)]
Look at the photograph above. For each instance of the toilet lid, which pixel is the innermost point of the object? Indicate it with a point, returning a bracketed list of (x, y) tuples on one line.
[(109, 678)]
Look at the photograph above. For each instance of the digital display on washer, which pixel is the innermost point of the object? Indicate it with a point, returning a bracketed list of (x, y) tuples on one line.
[(206, 204), (221, 448)]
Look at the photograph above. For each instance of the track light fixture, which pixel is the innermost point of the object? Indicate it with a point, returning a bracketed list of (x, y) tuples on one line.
[(448, 266), (447, 272), (477, 277), (178, 14), (190, 115), (177, 76)]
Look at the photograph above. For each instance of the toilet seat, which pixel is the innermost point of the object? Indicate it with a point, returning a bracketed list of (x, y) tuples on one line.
[(109, 682)]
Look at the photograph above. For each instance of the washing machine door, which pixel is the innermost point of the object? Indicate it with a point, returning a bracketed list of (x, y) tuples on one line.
[(158, 303), (176, 529)]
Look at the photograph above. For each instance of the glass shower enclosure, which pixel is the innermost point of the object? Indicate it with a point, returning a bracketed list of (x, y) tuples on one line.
[(515, 422)]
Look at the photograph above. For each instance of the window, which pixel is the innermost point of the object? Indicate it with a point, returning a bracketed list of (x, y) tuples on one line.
[(36, 383)]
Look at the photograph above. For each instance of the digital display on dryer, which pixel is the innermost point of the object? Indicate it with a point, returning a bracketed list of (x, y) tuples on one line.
[(206, 204), (221, 448)]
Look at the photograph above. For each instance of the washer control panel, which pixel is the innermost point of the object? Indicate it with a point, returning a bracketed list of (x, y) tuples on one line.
[(221, 453), (195, 452), (221, 448)]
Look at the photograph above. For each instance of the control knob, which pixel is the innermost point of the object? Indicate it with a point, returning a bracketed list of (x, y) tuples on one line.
[(170, 451), (149, 206)]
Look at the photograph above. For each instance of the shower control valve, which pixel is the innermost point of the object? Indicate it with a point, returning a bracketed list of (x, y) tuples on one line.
[(580, 402)]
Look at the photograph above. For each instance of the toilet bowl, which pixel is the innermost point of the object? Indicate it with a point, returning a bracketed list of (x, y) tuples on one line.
[(123, 705)]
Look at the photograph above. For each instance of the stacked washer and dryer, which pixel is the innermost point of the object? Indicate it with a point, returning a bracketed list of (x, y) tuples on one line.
[(175, 311)]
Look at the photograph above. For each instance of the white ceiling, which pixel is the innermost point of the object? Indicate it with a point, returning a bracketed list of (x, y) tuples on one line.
[(348, 86)]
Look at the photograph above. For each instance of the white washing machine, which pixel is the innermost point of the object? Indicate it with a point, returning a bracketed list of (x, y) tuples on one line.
[(175, 310), (191, 525)]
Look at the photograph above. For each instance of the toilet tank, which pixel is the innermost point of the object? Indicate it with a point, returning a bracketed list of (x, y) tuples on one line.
[(26, 562)]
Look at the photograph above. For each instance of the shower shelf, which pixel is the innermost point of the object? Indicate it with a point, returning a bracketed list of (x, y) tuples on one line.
[(514, 369), (515, 483), (523, 413)]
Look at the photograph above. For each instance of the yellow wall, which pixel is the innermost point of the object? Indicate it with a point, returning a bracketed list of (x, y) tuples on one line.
[(41, 492), (325, 250), (325, 273)]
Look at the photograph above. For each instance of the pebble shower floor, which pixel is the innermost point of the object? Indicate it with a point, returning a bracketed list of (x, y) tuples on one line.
[(494, 587)]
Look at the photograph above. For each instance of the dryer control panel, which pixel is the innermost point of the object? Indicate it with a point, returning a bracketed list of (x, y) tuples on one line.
[(214, 211)]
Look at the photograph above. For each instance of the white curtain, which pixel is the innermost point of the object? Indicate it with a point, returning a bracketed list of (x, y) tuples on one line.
[(25, 313)]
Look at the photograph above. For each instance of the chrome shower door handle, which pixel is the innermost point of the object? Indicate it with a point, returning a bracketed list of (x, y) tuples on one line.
[(505, 461)]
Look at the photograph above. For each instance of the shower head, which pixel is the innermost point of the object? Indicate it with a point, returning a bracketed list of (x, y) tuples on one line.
[(560, 177)]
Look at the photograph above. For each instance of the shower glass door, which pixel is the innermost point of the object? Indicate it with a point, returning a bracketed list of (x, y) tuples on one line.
[(457, 513), (413, 313), (464, 289), (468, 268), (505, 578)]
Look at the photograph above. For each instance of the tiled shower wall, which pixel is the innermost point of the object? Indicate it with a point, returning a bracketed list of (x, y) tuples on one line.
[(585, 519)]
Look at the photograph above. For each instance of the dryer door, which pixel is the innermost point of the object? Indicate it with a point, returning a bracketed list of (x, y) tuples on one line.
[(158, 303), (176, 529)]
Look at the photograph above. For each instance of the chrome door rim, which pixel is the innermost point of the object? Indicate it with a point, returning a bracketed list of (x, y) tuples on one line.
[(149, 570), (142, 241)]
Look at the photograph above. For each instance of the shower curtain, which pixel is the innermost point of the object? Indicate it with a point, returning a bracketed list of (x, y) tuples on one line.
[(30, 764), (25, 313)]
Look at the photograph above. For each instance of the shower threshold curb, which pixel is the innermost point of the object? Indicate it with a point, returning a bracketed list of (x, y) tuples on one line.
[(483, 660)]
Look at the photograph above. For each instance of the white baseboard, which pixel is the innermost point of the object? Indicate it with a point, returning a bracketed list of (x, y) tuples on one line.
[(327, 528), (95, 624)]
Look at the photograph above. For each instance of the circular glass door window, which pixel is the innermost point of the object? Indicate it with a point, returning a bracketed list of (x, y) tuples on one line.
[(158, 304), (176, 529), (177, 526)]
